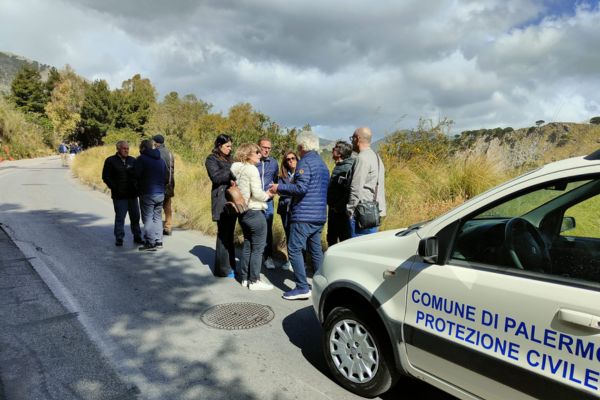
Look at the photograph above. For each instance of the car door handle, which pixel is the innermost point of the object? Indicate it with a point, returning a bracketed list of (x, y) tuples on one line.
[(579, 318)]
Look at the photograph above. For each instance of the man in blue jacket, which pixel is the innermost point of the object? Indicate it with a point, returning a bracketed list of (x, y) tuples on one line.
[(309, 211), (151, 174), (268, 169)]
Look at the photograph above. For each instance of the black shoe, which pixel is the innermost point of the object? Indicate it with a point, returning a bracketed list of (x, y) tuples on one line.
[(158, 245), (138, 240), (167, 233), (147, 247), (119, 242)]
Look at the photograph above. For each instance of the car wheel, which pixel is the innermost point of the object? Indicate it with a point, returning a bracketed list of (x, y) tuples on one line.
[(357, 353)]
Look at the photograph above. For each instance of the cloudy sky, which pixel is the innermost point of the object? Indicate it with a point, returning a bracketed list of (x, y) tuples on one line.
[(334, 64)]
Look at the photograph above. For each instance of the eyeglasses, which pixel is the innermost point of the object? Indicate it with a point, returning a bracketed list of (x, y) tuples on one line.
[(290, 159), (265, 148), (352, 137), (258, 152)]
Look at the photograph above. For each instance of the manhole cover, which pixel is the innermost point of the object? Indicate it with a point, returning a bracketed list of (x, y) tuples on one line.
[(233, 316)]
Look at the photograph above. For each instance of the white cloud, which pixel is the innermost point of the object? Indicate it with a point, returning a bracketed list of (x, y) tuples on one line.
[(334, 64)]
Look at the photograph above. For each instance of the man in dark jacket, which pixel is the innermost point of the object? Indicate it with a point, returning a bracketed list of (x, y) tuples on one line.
[(338, 193), (309, 211), (117, 173), (267, 170), (151, 174), (169, 160)]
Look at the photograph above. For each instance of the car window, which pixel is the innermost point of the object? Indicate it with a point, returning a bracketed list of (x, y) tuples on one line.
[(521, 205), (583, 220), (552, 230)]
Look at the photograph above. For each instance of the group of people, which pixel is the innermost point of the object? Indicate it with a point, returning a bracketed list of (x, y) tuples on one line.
[(68, 151), (145, 184), (306, 190)]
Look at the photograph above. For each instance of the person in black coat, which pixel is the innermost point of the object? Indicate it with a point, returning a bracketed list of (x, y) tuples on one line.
[(338, 193), (117, 173), (218, 166)]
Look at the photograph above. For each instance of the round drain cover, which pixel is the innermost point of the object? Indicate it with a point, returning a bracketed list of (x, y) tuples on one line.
[(233, 316)]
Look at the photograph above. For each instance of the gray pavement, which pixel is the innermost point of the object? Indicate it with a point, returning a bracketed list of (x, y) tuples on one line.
[(44, 351), (140, 312)]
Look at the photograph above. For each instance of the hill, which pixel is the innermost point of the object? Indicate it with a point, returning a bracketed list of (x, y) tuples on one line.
[(528, 147), (10, 64)]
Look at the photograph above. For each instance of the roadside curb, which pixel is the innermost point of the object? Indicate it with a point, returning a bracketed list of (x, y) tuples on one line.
[(48, 351)]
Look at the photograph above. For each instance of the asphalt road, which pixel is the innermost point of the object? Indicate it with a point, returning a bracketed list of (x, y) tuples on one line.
[(142, 310)]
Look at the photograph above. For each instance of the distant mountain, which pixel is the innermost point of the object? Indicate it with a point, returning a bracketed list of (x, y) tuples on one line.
[(10, 64)]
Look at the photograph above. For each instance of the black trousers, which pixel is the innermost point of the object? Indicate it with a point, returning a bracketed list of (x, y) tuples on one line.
[(338, 227), (225, 249)]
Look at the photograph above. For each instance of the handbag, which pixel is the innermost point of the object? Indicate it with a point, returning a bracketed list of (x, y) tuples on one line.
[(366, 213), (236, 203)]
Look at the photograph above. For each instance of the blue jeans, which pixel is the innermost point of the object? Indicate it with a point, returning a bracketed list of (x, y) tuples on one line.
[(122, 207), (254, 227), (269, 216), (151, 205), (304, 235), (354, 231)]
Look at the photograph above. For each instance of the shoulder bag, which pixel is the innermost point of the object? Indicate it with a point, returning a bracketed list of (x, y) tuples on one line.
[(366, 213)]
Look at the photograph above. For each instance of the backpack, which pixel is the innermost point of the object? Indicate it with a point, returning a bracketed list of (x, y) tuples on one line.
[(236, 204), (62, 148)]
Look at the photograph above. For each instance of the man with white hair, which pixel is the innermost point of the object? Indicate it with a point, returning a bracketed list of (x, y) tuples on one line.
[(308, 211)]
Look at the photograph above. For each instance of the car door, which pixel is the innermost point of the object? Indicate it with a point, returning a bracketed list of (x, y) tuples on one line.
[(500, 332)]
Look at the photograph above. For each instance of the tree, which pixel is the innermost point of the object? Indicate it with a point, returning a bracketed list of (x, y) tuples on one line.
[(595, 120), (65, 105), (540, 122), (97, 113), (51, 82), (135, 102), (174, 115), (27, 90)]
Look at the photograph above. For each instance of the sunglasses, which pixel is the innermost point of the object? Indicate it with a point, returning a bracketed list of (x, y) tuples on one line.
[(290, 159), (258, 152)]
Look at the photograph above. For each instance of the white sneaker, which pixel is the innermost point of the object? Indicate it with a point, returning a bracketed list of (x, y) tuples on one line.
[(260, 285), (269, 263), (286, 266), (244, 283)]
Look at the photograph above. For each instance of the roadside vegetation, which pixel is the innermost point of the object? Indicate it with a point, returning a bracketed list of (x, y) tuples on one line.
[(428, 171)]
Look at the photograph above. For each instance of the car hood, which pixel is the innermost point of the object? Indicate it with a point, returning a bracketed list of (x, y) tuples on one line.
[(365, 241)]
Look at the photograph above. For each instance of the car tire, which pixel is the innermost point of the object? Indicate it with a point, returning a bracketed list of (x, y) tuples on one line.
[(357, 352)]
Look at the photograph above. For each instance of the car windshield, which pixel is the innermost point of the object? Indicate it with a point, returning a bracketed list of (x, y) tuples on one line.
[(524, 204)]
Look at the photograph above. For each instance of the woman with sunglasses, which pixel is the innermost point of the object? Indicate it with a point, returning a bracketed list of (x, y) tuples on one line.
[(253, 221), (218, 166), (286, 175)]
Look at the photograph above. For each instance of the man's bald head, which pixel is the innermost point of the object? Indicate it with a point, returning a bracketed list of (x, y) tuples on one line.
[(364, 134)]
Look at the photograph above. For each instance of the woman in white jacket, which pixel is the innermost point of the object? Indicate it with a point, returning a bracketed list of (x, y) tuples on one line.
[(253, 221)]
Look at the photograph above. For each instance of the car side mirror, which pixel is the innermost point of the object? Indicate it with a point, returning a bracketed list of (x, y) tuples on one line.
[(568, 223), (428, 249)]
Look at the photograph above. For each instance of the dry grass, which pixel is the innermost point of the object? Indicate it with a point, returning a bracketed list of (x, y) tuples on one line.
[(18, 137), (415, 191)]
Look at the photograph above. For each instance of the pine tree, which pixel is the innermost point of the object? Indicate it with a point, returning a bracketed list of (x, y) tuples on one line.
[(135, 102), (97, 114), (27, 90)]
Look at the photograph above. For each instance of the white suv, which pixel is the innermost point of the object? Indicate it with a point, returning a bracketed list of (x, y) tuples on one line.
[(497, 299)]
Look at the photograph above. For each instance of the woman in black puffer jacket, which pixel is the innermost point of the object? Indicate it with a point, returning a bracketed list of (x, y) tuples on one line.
[(218, 166)]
